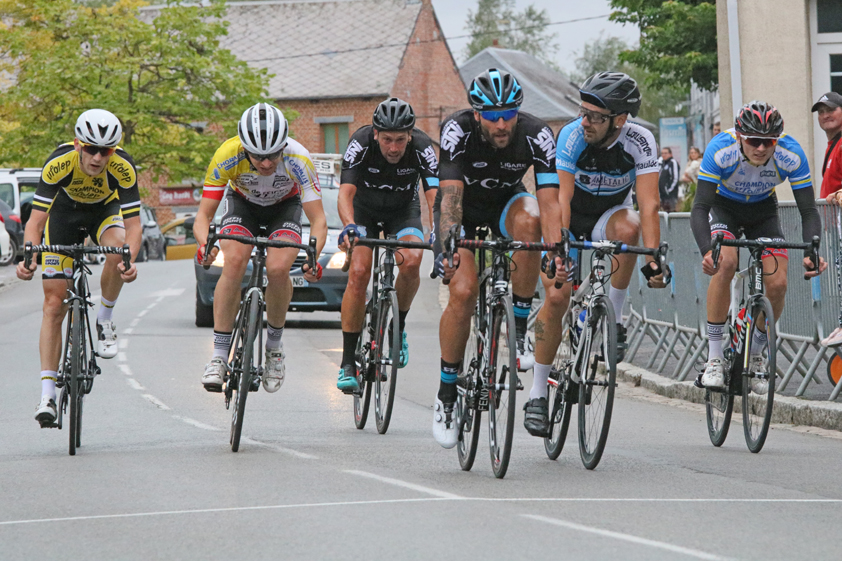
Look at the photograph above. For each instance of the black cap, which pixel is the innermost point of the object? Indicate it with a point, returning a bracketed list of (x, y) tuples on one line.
[(831, 99)]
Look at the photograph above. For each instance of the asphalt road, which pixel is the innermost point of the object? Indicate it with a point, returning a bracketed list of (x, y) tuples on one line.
[(155, 477)]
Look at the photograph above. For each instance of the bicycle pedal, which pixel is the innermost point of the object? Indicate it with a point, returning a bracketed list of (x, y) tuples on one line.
[(50, 425), (698, 382), (213, 389), (255, 384), (519, 384)]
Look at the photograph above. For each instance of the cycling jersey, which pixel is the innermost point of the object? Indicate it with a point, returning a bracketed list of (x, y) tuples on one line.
[(62, 173), (383, 185), (604, 177), (737, 179), (293, 176), (490, 175)]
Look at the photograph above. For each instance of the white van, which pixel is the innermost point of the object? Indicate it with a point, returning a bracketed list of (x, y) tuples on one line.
[(17, 188)]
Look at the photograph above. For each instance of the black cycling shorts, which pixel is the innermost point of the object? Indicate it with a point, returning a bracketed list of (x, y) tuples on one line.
[(754, 220), (69, 223), (398, 221), (243, 218)]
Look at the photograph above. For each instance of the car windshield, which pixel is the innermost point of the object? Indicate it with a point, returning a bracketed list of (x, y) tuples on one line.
[(330, 199)]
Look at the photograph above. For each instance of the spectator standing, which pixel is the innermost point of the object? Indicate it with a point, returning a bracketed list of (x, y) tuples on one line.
[(668, 180), (829, 109), (716, 129)]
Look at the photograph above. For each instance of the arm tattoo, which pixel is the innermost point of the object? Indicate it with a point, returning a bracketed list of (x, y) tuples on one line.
[(451, 207)]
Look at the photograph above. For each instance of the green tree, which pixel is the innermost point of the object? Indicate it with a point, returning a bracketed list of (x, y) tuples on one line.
[(496, 23), (677, 40), (165, 78), (606, 53)]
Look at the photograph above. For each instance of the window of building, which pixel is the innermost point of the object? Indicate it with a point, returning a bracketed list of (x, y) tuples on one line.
[(336, 137), (836, 73), (829, 16)]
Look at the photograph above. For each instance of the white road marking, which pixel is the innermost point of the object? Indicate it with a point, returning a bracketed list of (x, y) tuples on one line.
[(134, 384), (197, 424), (167, 292), (143, 313), (134, 322), (127, 331), (152, 305), (404, 484), (157, 402), (121, 356), (626, 537), (123, 343), (125, 368), (289, 451)]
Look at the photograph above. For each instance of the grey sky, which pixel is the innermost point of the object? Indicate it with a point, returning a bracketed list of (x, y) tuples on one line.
[(570, 38)]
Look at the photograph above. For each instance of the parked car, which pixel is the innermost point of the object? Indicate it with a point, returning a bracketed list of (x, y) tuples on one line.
[(178, 239), (15, 229), (14, 183), (6, 255), (325, 295), (152, 245)]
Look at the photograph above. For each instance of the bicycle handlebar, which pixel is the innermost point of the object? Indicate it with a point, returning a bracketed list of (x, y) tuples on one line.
[(811, 248), (76, 252), (261, 242)]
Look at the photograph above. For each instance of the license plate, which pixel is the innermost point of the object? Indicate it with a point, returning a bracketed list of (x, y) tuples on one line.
[(299, 282)]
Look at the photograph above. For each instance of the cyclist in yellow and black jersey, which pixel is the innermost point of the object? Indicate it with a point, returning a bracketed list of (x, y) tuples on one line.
[(88, 187)]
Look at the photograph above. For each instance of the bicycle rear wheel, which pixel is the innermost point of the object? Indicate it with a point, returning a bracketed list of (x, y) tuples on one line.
[(466, 411), (365, 363), (557, 390), (598, 374), (502, 368), (758, 401), (388, 359), (253, 320), (74, 383)]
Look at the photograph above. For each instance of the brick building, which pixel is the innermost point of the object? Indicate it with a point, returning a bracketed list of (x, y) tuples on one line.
[(334, 61)]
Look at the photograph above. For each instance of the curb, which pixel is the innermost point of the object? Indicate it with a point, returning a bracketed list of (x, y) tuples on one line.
[(787, 410)]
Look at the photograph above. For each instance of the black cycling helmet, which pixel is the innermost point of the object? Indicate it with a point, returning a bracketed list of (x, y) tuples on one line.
[(495, 90), (393, 115), (758, 118), (614, 91)]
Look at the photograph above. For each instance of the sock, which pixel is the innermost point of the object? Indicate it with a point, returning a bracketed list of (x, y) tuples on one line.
[(758, 343), (618, 298), (349, 347), (540, 373), (447, 387), (106, 308), (715, 337), (402, 320), (273, 337), (48, 383), (522, 306), (221, 344)]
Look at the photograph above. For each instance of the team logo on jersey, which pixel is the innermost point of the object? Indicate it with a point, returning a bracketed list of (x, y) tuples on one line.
[(355, 153), (280, 181), (543, 147), (490, 183), (373, 170), (247, 179), (430, 156), (451, 138), (97, 181), (641, 141), (51, 260), (513, 166), (405, 171), (768, 173), (480, 164)]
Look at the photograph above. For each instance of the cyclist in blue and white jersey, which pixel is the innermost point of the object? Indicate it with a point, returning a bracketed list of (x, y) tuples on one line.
[(735, 196), (601, 158)]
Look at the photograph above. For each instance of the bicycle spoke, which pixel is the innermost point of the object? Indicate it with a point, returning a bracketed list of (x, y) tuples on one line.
[(467, 413), (388, 359), (503, 375), (760, 376)]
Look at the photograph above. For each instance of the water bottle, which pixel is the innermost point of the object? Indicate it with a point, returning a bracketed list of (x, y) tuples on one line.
[(580, 322)]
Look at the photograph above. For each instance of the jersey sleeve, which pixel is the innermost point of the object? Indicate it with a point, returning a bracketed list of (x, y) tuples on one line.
[(454, 140), (428, 163), (56, 173), (791, 156), (122, 168), (354, 156), (300, 166), (569, 146), (543, 157), (645, 150), (222, 169), (710, 169)]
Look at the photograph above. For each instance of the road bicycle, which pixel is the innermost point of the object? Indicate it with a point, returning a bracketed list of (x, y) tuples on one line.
[(379, 347), (489, 379), (747, 315), (584, 371), (78, 367), (244, 369)]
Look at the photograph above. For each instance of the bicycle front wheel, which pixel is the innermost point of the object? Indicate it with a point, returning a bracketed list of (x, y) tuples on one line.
[(502, 368), (759, 377), (558, 392), (365, 365), (718, 408), (253, 320), (388, 358), (466, 412), (75, 382), (597, 370)]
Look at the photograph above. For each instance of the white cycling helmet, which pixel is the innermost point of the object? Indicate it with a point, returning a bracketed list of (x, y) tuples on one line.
[(99, 128), (263, 129)]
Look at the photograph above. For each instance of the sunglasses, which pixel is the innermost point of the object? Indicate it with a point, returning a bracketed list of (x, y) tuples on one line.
[(594, 117), (758, 141), (273, 157), (495, 116), (94, 150)]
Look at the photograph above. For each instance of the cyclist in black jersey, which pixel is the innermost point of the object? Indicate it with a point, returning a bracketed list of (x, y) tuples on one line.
[(88, 187), (379, 187), (601, 159), (485, 152)]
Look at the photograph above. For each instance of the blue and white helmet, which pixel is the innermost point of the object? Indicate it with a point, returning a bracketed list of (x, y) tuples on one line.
[(495, 90), (98, 127)]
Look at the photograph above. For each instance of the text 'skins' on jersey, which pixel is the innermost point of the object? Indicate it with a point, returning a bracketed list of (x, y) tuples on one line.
[(604, 177), (294, 175)]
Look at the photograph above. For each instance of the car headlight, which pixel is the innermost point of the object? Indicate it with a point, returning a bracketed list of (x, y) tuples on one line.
[(220, 259), (337, 261)]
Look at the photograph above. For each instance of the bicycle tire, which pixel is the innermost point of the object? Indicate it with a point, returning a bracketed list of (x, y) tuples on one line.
[(75, 372), (253, 321), (469, 417), (364, 366), (596, 387), (501, 402), (757, 408), (557, 385), (388, 340), (718, 409)]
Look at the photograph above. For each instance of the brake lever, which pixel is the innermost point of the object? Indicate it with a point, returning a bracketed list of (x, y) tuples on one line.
[(127, 257), (347, 264), (311, 254), (716, 248), (662, 261), (211, 241), (450, 250), (814, 255), (27, 255)]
